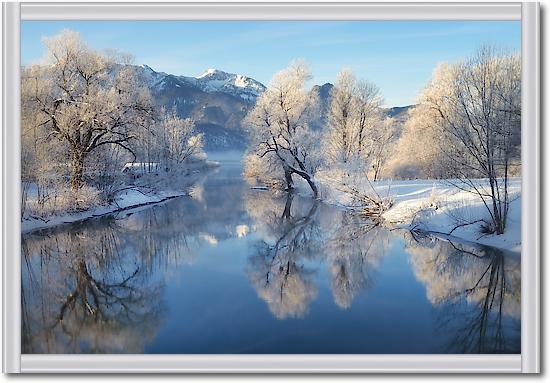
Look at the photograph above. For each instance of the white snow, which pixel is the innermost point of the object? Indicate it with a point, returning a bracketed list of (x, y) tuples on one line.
[(128, 200), (209, 71), (212, 80), (437, 206), (140, 166), (240, 81)]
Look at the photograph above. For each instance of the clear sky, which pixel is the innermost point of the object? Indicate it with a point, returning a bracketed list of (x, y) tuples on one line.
[(398, 56)]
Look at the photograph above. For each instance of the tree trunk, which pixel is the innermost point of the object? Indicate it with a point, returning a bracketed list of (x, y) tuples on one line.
[(77, 171), (288, 179), (308, 179), (288, 206)]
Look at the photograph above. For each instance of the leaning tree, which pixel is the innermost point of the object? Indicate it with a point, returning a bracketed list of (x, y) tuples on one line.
[(279, 125)]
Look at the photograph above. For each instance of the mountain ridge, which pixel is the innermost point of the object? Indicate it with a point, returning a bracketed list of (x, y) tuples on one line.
[(218, 101)]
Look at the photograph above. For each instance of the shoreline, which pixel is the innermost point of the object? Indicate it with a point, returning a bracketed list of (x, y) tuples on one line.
[(433, 206), (31, 225), (129, 200)]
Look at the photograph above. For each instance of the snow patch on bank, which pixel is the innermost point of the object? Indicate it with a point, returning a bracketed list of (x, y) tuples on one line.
[(435, 206), (130, 199), (127, 200)]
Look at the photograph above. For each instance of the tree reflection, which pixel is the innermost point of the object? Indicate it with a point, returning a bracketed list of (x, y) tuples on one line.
[(477, 292), (297, 233), (278, 270), (354, 249), (94, 287)]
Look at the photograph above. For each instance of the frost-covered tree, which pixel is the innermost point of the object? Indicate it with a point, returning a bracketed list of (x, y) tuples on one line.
[(417, 153), (477, 105), (382, 137), (84, 101), (368, 101), (279, 125), (177, 139), (353, 115), (340, 131)]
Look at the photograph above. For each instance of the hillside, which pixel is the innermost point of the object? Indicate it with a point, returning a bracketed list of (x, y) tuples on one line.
[(216, 100)]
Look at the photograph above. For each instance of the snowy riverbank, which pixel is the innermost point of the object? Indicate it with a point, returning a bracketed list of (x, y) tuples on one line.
[(438, 207), (132, 198)]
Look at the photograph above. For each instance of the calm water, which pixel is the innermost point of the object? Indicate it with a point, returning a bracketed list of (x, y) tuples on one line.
[(234, 270)]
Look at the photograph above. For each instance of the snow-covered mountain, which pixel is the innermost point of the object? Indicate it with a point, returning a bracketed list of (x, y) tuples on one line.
[(212, 80), (218, 101)]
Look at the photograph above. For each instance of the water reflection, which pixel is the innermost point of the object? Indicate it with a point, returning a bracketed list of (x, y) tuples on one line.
[(354, 250), (479, 285), (82, 294), (197, 274), (279, 271), (295, 234)]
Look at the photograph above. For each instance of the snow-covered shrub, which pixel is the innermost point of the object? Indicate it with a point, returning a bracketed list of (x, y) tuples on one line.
[(434, 200), (348, 184), (60, 199)]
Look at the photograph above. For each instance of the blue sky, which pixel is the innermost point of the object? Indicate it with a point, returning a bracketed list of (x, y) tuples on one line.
[(397, 56)]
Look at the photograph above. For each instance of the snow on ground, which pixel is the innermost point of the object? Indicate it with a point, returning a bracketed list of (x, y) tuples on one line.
[(437, 206), (130, 199)]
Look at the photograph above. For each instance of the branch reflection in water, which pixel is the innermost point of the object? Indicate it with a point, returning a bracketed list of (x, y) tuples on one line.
[(112, 285), (97, 287), (479, 285), (296, 238)]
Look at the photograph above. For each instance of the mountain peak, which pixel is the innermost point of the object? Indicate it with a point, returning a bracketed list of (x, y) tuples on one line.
[(148, 68), (210, 72), (215, 80)]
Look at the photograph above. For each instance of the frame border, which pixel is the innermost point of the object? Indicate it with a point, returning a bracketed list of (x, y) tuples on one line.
[(527, 362), (11, 163), (213, 10), (530, 203)]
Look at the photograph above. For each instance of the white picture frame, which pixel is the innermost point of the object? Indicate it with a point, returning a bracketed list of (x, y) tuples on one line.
[(529, 359)]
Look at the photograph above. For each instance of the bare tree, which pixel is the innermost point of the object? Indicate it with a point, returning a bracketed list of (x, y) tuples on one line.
[(341, 122), (382, 137), (478, 109), (177, 139), (354, 113), (279, 127), (84, 100), (417, 153)]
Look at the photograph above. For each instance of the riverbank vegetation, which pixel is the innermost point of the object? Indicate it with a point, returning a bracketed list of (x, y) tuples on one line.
[(91, 132), (465, 132), (94, 140)]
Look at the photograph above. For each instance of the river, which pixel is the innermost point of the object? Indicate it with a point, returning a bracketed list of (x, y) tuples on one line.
[(235, 270)]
